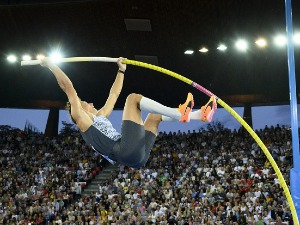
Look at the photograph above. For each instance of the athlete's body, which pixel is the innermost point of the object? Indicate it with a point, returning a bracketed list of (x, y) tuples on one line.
[(132, 147)]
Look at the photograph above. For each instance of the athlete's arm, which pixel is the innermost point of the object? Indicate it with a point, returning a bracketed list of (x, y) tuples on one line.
[(115, 90), (66, 85)]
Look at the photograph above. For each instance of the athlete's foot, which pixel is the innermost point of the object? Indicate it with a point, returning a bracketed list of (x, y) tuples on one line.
[(186, 108), (208, 110)]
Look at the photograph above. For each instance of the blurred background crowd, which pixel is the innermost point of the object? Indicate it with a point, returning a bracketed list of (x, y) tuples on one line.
[(210, 176)]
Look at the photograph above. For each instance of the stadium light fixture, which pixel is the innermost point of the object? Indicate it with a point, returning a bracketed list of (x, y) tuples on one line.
[(297, 39), (222, 47), (241, 45), (40, 56), (203, 50), (56, 57), (11, 58), (261, 42), (280, 40), (26, 57), (189, 52)]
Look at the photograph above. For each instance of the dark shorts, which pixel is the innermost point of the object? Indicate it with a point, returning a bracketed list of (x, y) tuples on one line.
[(134, 148)]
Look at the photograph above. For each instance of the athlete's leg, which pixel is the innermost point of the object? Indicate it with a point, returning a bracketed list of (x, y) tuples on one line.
[(151, 127), (152, 122), (135, 103), (131, 110), (133, 133), (132, 145), (135, 137)]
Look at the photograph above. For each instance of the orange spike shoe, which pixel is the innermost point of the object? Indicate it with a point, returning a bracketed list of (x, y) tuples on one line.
[(186, 108), (208, 110)]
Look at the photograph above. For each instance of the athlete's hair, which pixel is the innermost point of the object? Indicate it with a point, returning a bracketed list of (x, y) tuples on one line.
[(68, 108)]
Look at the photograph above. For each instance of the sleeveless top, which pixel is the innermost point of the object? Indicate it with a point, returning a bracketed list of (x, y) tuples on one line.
[(105, 141), (105, 127)]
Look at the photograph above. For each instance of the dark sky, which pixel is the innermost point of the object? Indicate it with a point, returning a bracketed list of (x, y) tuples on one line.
[(99, 28)]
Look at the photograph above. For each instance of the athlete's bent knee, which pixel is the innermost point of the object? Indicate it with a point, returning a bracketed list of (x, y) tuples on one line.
[(134, 98)]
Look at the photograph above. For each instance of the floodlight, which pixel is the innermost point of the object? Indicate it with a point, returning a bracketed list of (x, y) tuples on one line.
[(297, 38), (203, 50), (40, 56), (26, 57), (261, 42), (222, 47), (12, 58), (280, 40), (56, 57), (189, 52), (241, 45)]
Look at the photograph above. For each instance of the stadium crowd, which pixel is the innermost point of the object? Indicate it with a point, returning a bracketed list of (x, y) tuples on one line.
[(212, 176)]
